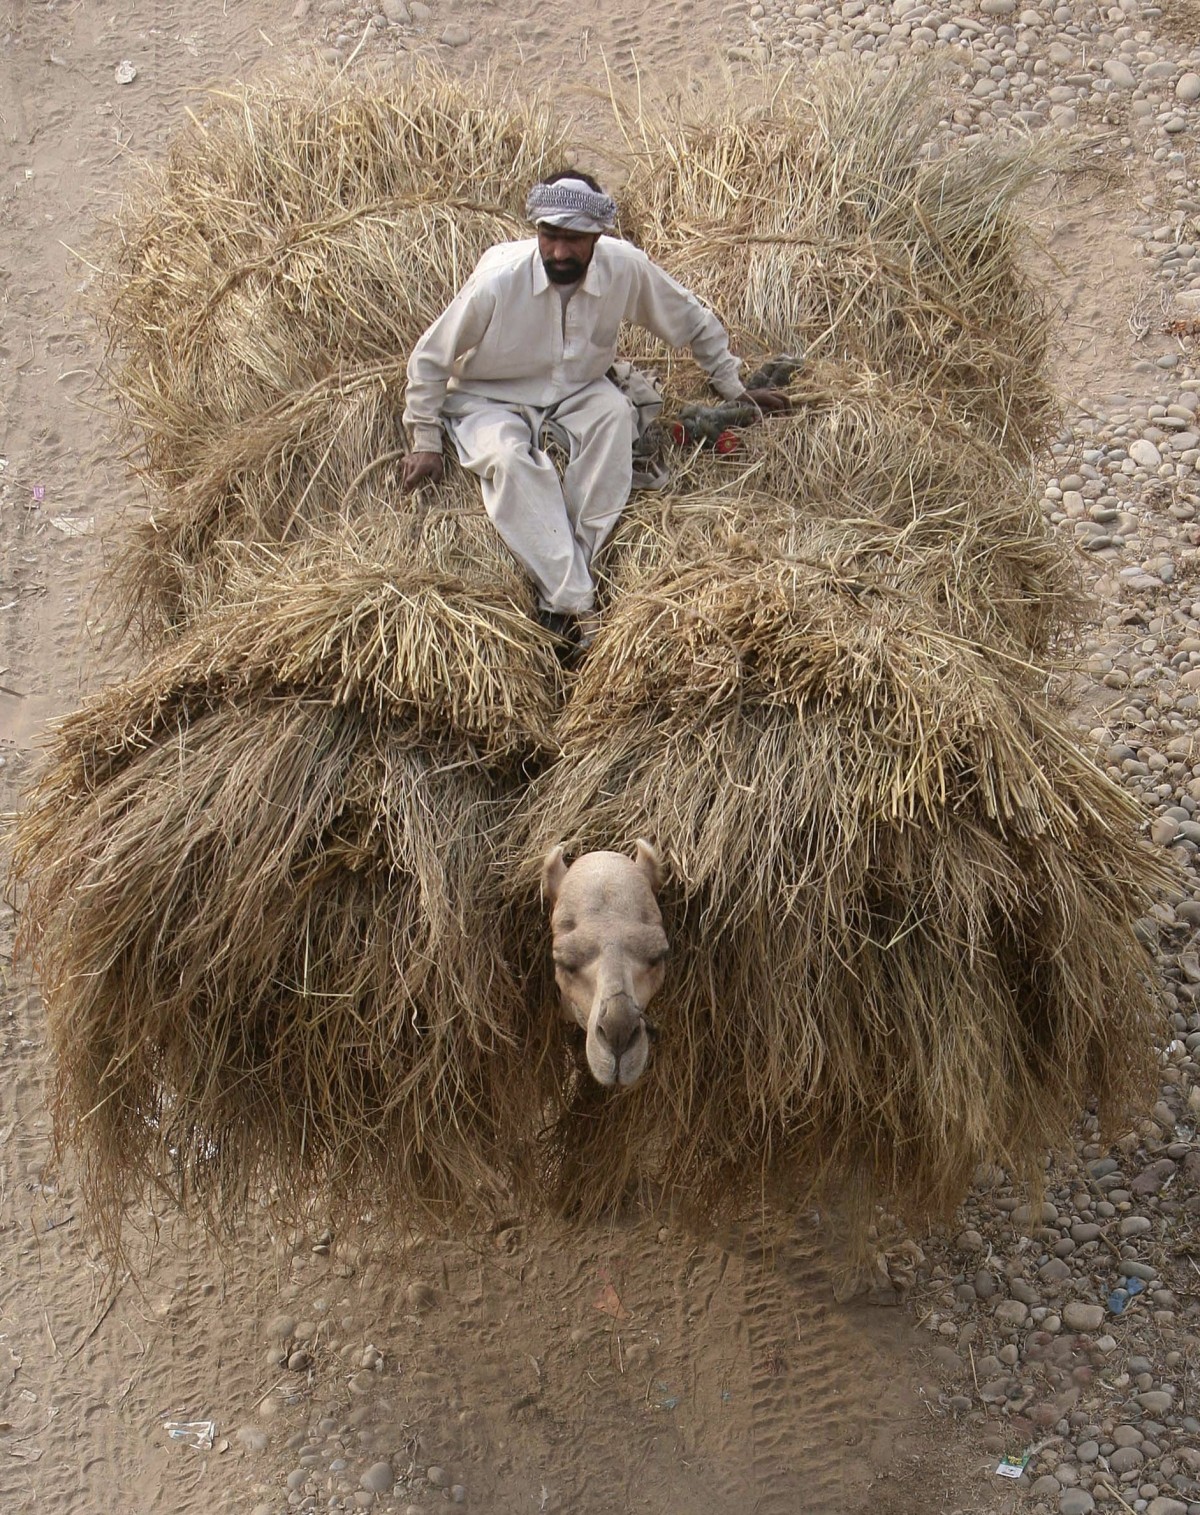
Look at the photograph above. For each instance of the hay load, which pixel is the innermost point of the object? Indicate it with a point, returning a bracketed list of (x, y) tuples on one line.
[(255, 874), (280, 881), (902, 902)]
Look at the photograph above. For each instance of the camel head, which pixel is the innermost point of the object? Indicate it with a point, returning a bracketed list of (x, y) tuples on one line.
[(609, 951)]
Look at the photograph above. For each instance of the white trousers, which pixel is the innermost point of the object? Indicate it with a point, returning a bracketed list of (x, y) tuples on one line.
[(553, 529)]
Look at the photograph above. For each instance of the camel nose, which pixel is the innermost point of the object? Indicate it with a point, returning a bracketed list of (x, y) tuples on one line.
[(618, 1023)]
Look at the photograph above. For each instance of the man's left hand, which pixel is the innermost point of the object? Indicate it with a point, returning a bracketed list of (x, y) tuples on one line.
[(769, 401)]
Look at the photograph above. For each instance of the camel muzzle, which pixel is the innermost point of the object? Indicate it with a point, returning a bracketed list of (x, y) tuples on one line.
[(618, 1023)]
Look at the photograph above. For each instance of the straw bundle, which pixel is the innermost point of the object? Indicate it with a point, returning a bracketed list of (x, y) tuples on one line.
[(267, 287), (822, 223), (299, 225), (902, 901), (986, 584), (881, 459), (399, 617), (255, 875), (303, 470)]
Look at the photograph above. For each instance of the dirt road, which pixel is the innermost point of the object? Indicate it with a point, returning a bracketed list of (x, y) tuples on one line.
[(603, 1371)]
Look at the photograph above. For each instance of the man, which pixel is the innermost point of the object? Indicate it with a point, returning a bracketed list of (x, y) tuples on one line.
[(527, 342)]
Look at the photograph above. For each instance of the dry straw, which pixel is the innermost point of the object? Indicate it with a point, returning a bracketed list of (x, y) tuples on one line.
[(831, 220), (255, 874), (884, 460), (300, 225), (901, 901), (285, 917), (265, 289)]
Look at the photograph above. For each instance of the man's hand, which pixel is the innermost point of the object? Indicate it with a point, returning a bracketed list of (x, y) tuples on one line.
[(769, 401), (420, 468)]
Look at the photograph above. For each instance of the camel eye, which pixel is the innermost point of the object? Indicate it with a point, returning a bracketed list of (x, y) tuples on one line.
[(565, 965), (659, 958)]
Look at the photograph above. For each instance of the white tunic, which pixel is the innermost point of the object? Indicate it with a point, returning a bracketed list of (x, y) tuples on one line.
[(504, 336)]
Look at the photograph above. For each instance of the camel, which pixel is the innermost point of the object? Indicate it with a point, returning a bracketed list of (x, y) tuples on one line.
[(609, 953)]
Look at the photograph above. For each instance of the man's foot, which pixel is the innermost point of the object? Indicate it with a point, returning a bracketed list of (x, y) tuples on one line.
[(587, 624), (557, 622)]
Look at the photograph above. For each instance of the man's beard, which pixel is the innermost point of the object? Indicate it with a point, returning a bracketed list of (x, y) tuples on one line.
[(569, 272)]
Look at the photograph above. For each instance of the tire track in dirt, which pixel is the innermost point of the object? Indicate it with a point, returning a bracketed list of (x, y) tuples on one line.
[(801, 1379), (89, 1365)]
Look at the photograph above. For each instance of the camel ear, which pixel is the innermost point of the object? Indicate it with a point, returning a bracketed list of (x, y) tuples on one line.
[(647, 858), (554, 870)]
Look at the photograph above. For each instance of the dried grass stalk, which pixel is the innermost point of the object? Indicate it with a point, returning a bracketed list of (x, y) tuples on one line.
[(254, 936), (989, 574)]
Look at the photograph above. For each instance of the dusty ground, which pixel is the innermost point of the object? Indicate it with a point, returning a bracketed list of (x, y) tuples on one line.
[(630, 1369)]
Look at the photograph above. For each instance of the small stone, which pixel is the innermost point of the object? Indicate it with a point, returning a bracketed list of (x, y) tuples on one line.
[(998, 7), (1134, 1225), (1075, 1502), (1152, 1178), (281, 1328), (252, 1438), (995, 1390), (458, 1493), (985, 1284), (1125, 1459), (455, 35), (299, 1360), (1011, 1313), (1164, 1506), (421, 1296), (1080, 1317), (436, 1477), (1121, 75), (1022, 1289), (397, 11), (1188, 88), (378, 1479), (1024, 1215), (1156, 1401), (1144, 453)]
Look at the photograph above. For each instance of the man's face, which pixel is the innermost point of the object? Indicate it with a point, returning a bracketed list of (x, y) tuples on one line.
[(565, 254)]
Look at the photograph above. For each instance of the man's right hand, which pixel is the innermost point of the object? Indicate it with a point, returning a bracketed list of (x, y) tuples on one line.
[(420, 468)]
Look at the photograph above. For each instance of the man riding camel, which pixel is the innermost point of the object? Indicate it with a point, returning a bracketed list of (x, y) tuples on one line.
[(528, 341)]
